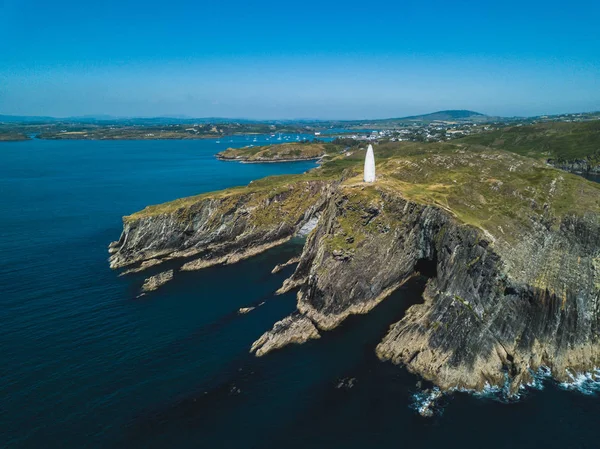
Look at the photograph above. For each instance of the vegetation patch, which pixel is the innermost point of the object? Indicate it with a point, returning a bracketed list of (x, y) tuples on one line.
[(552, 140), (274, 153)]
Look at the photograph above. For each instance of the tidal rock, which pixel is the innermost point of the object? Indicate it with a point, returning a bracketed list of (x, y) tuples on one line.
[(281, 266), (143, 266), (295, 328), (346, 383), (244, 310), (290, 284), (427, 402), (156, 281)]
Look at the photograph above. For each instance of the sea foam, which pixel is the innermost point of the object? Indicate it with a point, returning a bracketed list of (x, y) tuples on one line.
[(585, 383)]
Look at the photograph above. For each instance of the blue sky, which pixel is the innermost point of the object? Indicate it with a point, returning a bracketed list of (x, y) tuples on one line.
[(310, 59)]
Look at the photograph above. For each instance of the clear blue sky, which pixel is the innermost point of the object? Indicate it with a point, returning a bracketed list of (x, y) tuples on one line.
[(309, 59)]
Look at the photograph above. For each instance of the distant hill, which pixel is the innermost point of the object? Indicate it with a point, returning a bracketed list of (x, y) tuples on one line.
[(450, 115), (108, 120), (26, 119), (453, 115)]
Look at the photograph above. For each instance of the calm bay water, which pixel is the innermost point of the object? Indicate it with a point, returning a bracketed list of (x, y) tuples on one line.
[(85, 364)]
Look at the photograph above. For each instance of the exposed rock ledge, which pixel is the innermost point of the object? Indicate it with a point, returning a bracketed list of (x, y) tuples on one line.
[(222, 227), (153, 282), (292, 329), (512, 250), (281, 266)]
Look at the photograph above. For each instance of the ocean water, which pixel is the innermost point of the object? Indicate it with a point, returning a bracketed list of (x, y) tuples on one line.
[(593, 177), (86, 364)]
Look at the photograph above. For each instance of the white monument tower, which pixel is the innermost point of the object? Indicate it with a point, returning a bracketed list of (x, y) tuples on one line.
[(370, 165)]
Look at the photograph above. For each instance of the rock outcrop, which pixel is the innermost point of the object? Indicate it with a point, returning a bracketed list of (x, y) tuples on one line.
[(222, 227), (281, 266), (154, 282), (292, 329)]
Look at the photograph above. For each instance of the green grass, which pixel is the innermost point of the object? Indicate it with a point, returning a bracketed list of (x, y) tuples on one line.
[(268, 185), (499, 192), (561, 141), (283, 151), (489, 189)]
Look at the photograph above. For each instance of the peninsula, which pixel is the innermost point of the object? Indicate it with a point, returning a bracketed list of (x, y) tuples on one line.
[(510, 244), (12, 137), (285, 152)]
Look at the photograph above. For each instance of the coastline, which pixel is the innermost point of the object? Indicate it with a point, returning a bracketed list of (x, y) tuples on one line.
[(269, 161)]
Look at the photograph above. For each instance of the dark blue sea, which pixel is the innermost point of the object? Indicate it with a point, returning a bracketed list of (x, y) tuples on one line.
[(84, 364)]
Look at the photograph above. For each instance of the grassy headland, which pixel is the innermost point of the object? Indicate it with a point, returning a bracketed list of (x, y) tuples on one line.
[(496, 191), (297, 151), (559, 141)]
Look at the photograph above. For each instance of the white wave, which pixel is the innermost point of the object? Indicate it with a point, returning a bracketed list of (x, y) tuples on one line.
[(585, 383), (494, 392), (426, 402), (539, 379)]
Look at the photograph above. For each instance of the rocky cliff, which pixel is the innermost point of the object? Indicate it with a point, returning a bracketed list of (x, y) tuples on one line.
[(581, 166), (510, 246), (221, 227)]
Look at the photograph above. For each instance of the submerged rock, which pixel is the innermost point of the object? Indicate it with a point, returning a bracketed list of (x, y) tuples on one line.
[(427, 402), (346, 383)]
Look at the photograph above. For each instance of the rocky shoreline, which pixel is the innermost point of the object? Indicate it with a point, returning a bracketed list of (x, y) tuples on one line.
[(579, 166), (267, 161)]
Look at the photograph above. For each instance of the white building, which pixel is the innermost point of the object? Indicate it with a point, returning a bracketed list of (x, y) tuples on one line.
[(370, 165)]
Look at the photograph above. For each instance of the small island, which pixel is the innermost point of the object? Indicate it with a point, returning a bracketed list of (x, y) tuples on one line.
[(12, 137), (285, 152)]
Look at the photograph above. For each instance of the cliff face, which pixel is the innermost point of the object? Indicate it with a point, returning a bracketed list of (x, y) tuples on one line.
[(489, 314), (218, 228), (582, 166), (510, 246)]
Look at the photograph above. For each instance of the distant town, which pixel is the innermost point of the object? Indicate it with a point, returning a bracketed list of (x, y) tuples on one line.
[(434, 127)]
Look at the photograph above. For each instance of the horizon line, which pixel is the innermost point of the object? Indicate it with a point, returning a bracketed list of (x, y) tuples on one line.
[(107, 117)]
